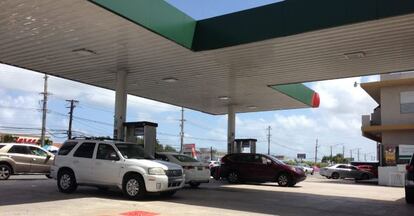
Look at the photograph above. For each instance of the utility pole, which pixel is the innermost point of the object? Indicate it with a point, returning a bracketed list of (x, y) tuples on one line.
[(331, 155), (316, 151), (182, 130), (44, 111), (358, 154), (343, 151), (211, 152), (268, 140), (71, 107)]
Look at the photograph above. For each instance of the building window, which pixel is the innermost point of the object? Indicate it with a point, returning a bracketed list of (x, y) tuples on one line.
[(407, 102)]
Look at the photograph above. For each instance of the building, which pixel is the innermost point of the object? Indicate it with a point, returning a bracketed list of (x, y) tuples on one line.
[(391, 124), (19, 138)]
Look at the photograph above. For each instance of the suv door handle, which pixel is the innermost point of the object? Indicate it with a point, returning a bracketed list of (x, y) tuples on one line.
[(75, 161)]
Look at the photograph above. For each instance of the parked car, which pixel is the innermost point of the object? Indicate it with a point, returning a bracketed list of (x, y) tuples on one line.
[(409, 182), (259, 168), (345, 171), (195, 171), (107, 163), (369, 168), (214, 164), (19, 158), (306, 168)]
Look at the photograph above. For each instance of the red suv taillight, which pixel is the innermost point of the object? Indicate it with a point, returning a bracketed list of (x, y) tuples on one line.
[(222, 161), (409, 168)]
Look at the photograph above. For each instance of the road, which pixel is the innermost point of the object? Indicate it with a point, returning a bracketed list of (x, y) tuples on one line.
[(37, 195)]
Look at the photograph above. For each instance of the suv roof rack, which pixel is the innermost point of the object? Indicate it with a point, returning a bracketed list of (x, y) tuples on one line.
[(96, 138)]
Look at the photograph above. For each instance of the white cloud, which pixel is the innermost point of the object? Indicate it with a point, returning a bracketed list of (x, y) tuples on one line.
[(338, 120), (14, 78)]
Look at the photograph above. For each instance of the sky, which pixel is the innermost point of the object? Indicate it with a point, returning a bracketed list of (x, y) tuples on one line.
[(337, 122)]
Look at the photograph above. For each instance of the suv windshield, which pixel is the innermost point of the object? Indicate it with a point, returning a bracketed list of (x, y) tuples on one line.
[(133, 151)]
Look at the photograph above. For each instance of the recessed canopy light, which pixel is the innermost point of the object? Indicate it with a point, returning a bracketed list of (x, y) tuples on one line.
[(170, 79), (354, 55), (224, 97), (84, 52), (252, 107)]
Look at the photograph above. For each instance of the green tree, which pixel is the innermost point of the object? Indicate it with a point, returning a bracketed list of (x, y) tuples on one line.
[(47, 142), (339, 158), (169, 148), (9, 138), (159, 147)]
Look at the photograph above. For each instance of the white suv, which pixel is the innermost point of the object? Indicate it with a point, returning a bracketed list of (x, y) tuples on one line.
[(105, 164)]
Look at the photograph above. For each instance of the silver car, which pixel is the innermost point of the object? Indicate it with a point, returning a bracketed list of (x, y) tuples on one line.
[(23, 159), (345, 171)]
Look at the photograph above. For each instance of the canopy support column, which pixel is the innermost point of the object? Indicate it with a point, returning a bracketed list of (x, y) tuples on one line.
[(120, 104), (231, 128)]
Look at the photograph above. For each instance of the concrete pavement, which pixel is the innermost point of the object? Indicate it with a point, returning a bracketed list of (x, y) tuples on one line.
[(37, 195)]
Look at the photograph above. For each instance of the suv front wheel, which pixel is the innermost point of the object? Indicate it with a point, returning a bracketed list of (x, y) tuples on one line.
[(66, 181), (133, 186)]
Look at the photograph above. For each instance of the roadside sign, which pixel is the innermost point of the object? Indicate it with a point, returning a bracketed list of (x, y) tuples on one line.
[(301, 156)]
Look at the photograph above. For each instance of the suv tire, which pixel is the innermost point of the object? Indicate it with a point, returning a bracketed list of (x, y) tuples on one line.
[(194, 184), (5, 171), (66, 181), (284, 180), (409, 195), (133, 187)]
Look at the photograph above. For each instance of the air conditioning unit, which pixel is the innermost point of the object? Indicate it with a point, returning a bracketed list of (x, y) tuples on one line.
[(396, 179)]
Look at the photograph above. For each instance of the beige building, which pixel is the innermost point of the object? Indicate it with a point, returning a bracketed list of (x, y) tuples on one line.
[(392, 123)]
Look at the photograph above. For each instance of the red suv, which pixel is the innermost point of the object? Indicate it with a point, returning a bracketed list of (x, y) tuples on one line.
[(259, 168)]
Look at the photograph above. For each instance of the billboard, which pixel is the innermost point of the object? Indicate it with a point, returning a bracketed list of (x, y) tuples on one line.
[(405, 151), (301, 156)]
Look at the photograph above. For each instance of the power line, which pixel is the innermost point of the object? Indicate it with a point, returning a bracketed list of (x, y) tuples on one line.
[(96, 108), (83, 119), (287, 147), (98, 130)]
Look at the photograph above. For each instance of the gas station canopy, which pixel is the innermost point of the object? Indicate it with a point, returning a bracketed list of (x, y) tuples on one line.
[(244, 59)]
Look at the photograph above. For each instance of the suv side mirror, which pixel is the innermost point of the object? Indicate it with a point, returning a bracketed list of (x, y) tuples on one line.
[(113, 156)]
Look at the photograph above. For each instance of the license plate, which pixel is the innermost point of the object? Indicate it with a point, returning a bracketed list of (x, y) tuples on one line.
[(200, 168)]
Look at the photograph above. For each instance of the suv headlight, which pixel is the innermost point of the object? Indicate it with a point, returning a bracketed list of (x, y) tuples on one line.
[(156, 171)]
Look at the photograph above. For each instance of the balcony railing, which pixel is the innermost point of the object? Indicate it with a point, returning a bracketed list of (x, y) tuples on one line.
[(373, 119)]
